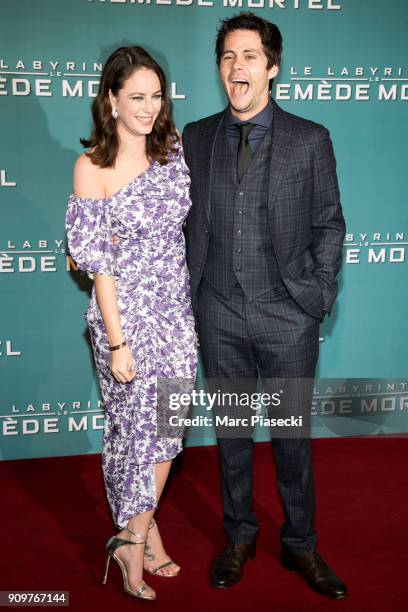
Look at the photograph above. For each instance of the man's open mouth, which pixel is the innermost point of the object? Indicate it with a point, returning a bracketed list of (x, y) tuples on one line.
[(239, 87)]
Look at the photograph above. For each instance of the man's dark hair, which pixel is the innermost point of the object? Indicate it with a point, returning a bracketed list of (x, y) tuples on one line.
[(270, 35)]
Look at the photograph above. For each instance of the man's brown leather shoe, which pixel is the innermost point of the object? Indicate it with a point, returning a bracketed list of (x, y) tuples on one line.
[(318, 575), (228, 567)]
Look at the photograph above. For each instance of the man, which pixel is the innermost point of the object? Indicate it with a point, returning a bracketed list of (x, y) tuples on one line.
[(264, 243)]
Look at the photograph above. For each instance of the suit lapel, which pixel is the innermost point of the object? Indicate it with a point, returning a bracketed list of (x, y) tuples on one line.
[(206, 157), (282, 148)]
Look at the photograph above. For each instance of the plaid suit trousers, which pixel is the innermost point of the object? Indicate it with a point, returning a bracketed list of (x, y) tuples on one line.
[(270, 337)]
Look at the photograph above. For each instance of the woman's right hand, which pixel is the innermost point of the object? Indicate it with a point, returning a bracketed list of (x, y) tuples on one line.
[(122, 365)]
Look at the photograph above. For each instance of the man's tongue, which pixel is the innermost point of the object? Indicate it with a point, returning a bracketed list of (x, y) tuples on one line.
[(240, 88)]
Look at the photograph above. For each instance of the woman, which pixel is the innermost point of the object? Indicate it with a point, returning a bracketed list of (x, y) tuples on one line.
[(134, 185)]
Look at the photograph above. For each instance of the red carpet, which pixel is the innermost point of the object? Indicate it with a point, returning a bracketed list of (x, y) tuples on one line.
[(55, 523)]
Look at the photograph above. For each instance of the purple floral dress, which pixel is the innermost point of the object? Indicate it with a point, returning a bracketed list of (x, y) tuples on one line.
[(152, 288)]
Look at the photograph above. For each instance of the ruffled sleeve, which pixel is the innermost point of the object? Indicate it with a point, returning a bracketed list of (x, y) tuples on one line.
[(89, 232), (180, 168)]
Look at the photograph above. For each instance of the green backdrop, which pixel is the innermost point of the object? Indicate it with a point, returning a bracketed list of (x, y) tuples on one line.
[(344, 65)]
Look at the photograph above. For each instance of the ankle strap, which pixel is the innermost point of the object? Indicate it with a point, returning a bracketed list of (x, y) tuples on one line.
[(152, 524), (138, 535)]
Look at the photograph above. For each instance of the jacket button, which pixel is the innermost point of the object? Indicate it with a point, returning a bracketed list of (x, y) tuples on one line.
[(197, 268), (239, 231), (238, 268)]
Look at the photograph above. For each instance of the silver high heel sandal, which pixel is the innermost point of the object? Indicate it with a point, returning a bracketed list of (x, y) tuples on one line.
[(156, 570), (112, 545)]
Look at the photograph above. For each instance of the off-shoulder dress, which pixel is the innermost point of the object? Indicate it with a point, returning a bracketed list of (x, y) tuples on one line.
[(153, 295)]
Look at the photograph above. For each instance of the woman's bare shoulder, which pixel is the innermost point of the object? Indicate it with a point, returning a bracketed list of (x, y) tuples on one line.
[(88, 179)]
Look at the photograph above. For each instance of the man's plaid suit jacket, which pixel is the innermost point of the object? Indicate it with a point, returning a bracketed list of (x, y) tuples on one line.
[(306, 223)]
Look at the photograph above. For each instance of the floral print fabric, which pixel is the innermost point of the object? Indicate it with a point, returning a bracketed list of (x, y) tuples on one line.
[(153, 295)]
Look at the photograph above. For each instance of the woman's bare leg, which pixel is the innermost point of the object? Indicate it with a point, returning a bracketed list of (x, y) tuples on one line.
[(134, 555), (155, 554)]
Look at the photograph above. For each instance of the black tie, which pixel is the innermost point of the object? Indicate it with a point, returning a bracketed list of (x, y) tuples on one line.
[(244, 149)]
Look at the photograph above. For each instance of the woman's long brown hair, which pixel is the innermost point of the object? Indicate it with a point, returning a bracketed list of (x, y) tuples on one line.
[(104, 139)]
